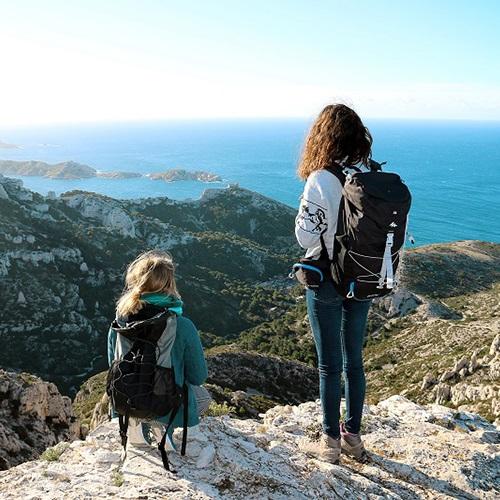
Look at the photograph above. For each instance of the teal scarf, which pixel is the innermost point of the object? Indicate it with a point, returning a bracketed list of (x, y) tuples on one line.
[(163, 300)]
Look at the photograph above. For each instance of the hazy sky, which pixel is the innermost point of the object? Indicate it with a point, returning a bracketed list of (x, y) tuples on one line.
[(72, 61)]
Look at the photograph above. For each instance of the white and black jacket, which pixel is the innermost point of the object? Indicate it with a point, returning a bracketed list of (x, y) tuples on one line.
[(318, 212)]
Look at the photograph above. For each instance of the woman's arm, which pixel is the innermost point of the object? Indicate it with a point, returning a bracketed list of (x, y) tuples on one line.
[(194, 359), (318, 210)]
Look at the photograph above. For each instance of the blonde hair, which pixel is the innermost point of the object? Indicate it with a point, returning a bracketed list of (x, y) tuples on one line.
[(338, 136), (150, 272)]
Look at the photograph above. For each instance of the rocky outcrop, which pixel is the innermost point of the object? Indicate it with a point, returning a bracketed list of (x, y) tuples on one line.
[(179, 174), (400, 303), (106, 210), (33, 416), (279, 379), (417, 452)]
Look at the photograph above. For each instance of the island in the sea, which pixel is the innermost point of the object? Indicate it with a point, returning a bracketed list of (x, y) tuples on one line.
[(179, 174), (34, 168), (6, 145), (118, 175), (74, 170)]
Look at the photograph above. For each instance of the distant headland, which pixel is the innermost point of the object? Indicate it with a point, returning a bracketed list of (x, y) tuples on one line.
[(74, 170), (6, 145)]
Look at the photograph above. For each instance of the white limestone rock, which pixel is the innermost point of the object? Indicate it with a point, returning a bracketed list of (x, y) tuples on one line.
[(106, 210), (413, 448), (21, 299), (447, 375), (33, 416), (474, 362), (442, 393), (428, 381), (399, 303), (495, 345), (460, 364), (3, 193)]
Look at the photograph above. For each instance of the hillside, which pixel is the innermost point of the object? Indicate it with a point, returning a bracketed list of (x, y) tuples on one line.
[(62, 262), (245, 383), (417, 452), (436, 339)]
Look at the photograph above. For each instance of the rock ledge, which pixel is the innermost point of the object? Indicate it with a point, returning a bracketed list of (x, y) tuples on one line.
[(418, 452)]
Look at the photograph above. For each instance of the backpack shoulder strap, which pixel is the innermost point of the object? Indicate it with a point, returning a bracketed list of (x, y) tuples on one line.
[(324, 252), (336, 170)]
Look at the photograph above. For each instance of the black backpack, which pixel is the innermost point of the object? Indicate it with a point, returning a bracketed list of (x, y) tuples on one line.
[(371, 231), (137, 385)]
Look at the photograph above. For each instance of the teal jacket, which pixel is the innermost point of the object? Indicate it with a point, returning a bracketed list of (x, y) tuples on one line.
[(187, 358)]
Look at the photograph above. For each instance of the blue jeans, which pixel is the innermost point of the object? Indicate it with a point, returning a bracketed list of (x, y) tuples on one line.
[(338, 326)]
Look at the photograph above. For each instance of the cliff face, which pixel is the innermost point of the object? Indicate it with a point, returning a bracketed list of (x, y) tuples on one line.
[(417, 452), (33, 416)]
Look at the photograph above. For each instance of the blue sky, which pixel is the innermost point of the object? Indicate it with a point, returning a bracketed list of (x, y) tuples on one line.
[(122, 60)]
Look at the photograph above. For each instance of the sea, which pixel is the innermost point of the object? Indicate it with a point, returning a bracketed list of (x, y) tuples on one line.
[(451, 167)]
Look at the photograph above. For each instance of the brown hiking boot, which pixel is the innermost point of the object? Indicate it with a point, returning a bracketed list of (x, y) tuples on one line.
[(353, 445), (327, 448)]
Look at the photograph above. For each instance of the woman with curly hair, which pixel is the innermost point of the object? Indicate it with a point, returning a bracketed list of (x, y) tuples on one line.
[(338, 140)]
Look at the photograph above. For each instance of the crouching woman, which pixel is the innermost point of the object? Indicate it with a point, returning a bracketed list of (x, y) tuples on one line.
[(150, 296)]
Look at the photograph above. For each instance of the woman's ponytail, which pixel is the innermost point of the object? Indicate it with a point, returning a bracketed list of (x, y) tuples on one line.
[(151, 272)]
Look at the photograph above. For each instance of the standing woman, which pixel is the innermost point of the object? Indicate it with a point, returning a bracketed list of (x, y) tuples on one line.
[(337, 140)]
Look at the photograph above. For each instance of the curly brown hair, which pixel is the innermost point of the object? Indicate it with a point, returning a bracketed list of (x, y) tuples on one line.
[(338, 136)]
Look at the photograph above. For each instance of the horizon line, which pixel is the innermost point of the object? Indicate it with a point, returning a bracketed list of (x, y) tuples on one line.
[(131, 121)]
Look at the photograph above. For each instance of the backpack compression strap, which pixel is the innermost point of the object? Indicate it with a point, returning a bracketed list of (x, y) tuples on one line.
[(185, 402), (123, 423), (161, 444)]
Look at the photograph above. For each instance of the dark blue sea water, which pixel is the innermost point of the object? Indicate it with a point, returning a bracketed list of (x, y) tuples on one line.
[(452, 168)]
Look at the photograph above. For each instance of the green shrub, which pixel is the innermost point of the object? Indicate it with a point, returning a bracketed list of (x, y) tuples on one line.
[(117, 478), (219, 409), (53, 454)]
